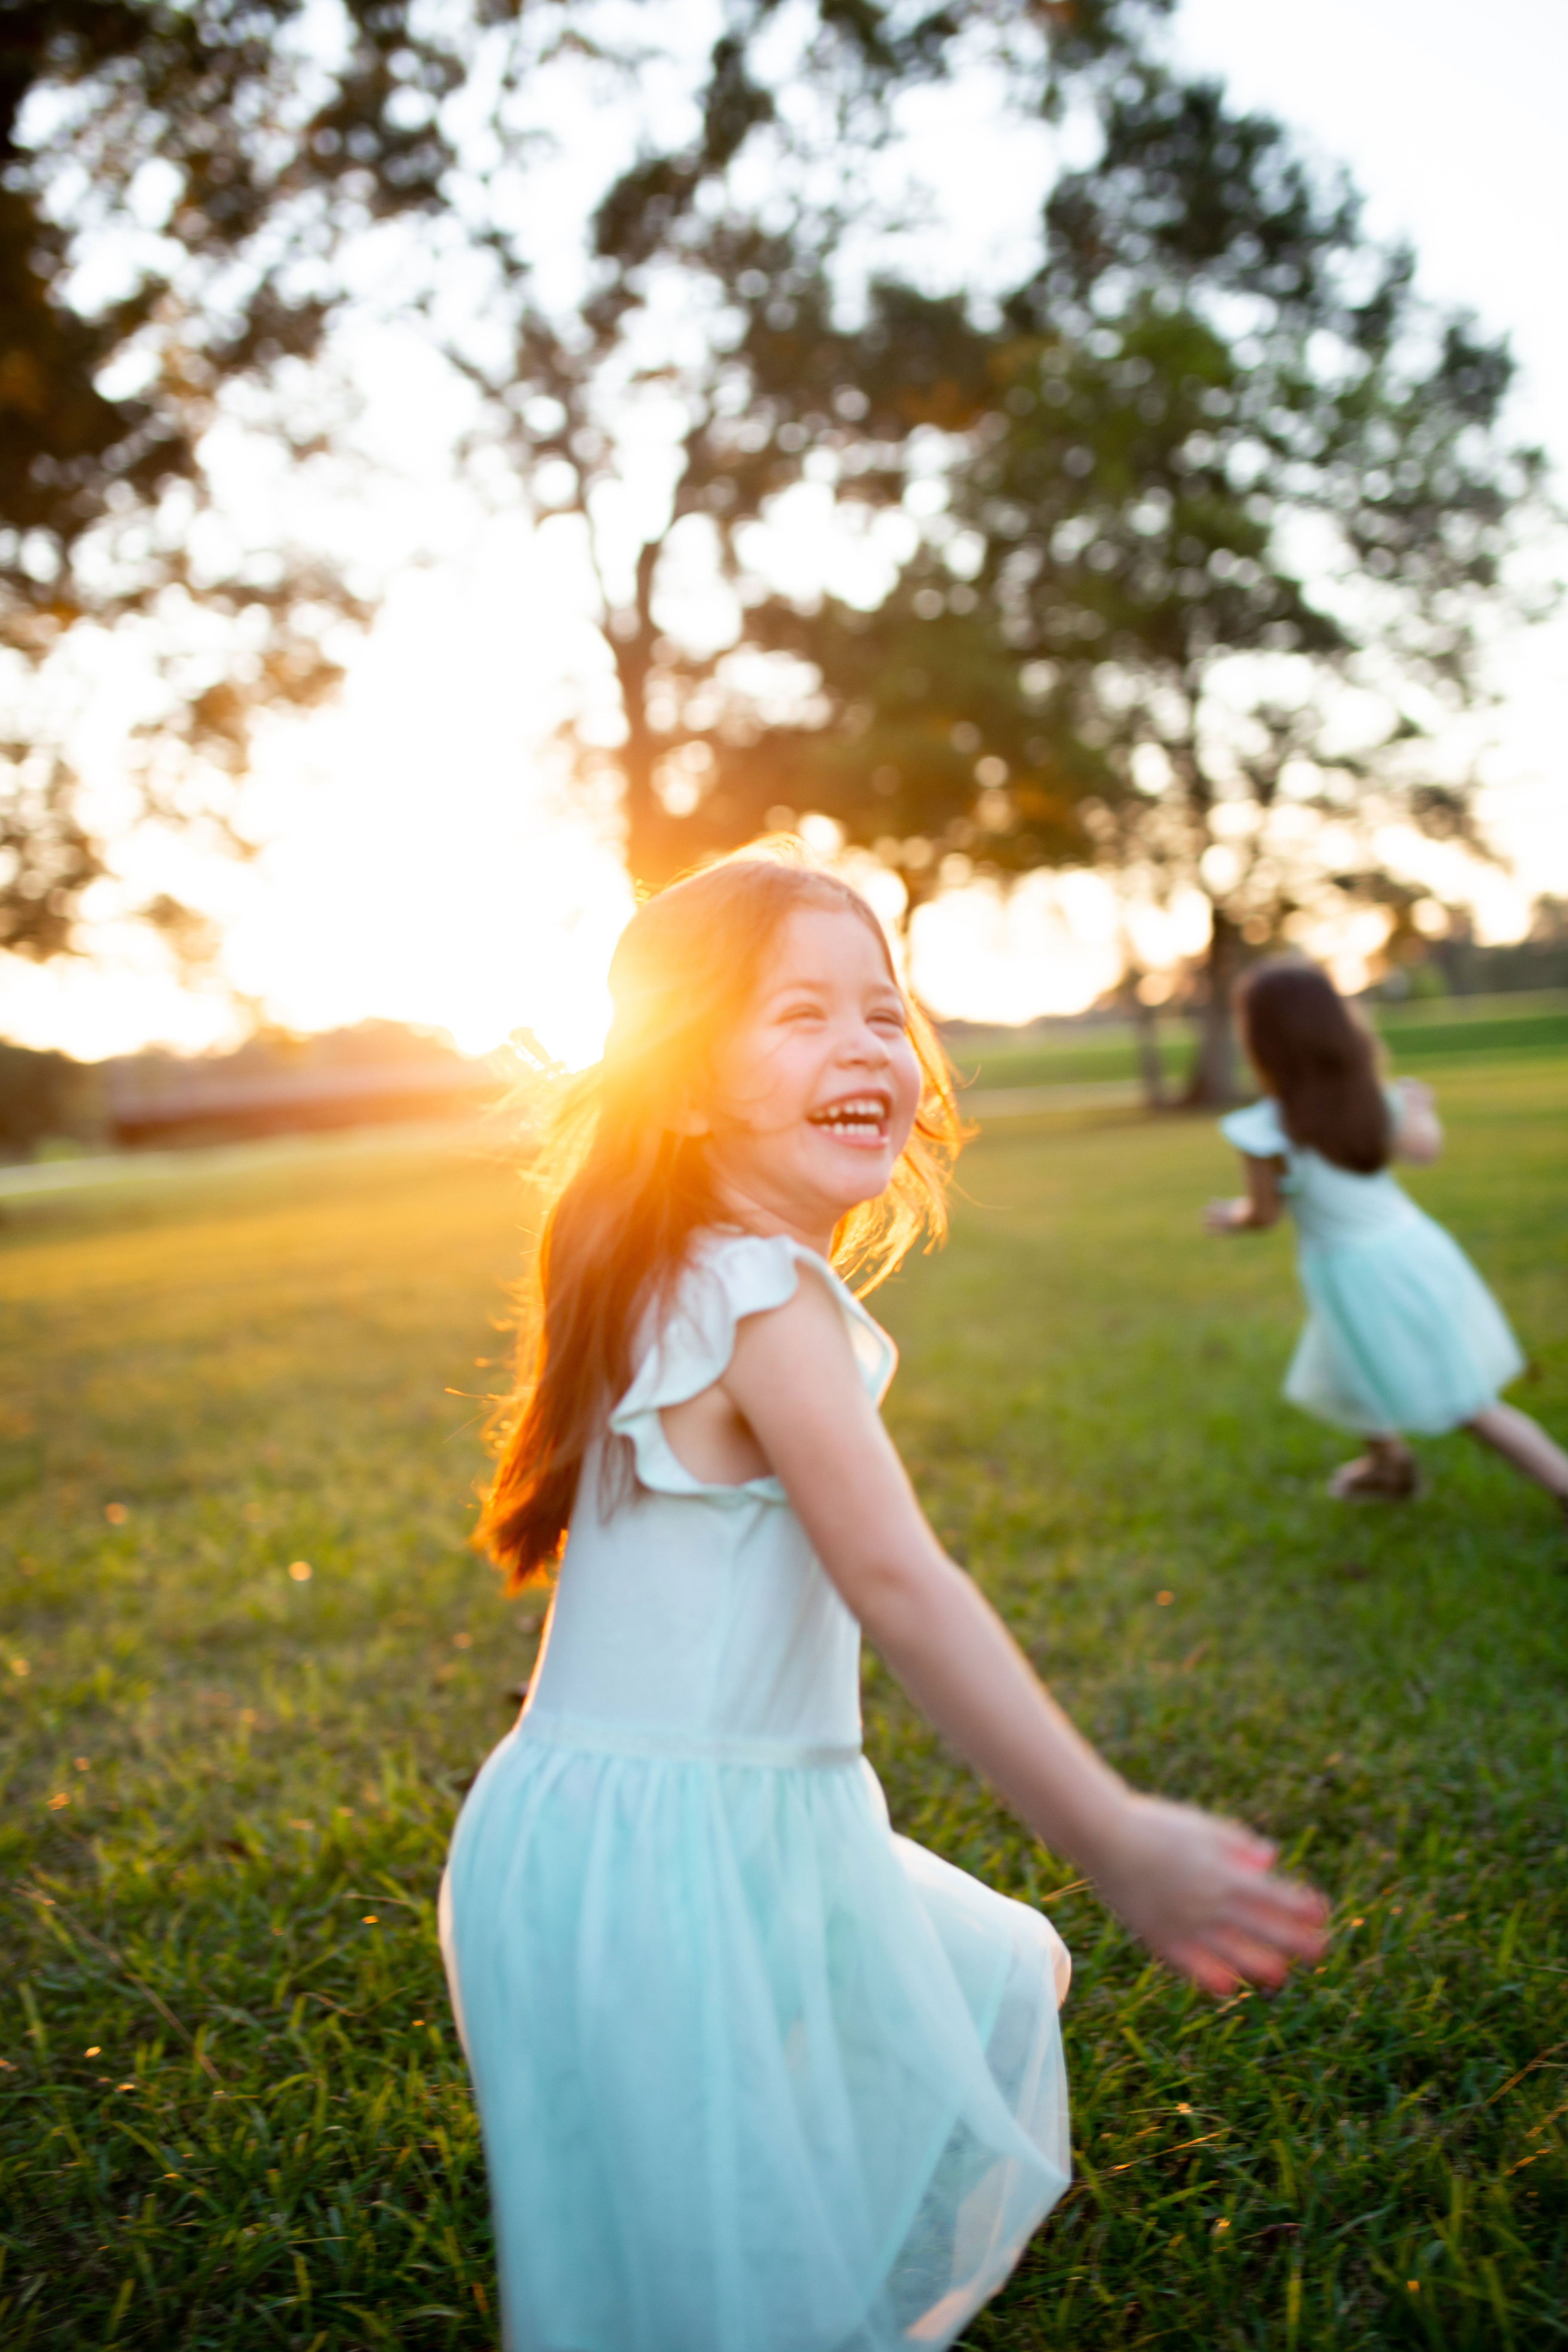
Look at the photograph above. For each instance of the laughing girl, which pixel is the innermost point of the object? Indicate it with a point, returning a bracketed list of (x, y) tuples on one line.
[(755, 2074)]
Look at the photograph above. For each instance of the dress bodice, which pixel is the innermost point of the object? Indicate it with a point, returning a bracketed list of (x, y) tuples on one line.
[(1332, 1206), (754, 2073), (693, 1617)]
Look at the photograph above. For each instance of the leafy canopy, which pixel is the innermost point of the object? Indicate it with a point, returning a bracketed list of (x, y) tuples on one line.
[(1209, 564), (196, 199)]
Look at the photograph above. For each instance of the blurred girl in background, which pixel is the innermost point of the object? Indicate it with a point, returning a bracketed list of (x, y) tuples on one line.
[(754, 2074), (1401, 1334)]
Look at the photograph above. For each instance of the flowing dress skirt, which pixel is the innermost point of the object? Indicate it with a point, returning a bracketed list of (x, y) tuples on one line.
[(754, 2074), (1403, 1335)]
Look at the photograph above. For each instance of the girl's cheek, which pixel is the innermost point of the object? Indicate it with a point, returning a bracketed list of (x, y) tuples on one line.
[(908, 1077)]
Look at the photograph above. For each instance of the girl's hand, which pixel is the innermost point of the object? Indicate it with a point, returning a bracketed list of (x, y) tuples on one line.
[(1418, 1131), (1200, 1893), (1262, 1207)]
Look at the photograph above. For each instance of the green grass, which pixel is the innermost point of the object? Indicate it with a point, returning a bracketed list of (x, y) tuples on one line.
[(1064, 1057), (274, 2147), (1433, 1030)]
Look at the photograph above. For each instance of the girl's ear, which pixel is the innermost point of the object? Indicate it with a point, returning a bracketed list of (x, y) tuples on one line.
[(688, 1121)]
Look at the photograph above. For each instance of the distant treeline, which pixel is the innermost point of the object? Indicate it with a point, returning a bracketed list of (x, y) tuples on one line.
[(278, 1083), (44, 1095), (1456, 966), (275, 1082)]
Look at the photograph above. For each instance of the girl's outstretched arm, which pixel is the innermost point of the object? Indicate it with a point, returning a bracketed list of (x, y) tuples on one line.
[(1261, 1208), (1197, 1889)]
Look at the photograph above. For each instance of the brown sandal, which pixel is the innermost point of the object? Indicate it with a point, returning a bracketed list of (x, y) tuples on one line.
[(1366, 1479)]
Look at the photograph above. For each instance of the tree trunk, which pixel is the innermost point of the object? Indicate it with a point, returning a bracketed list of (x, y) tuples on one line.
[(658, 845), (1145, 1023), (1215, 1072), (1150, 1068), (649, 861), (656, 849)]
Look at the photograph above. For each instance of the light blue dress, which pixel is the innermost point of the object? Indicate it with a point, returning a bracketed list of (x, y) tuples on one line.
[(754, 2074), (1402, 1333)]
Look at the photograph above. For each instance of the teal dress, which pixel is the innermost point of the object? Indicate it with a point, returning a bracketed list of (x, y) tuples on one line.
[(754, 2074), (1401, 1334)]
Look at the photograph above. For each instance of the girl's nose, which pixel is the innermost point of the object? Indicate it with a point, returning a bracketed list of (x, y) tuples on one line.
[(868, 1045)]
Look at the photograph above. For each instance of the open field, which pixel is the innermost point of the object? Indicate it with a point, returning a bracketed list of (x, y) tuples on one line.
[(231, 2110), (1088, 1052)]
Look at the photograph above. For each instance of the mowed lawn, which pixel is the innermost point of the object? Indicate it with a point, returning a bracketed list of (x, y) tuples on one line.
[(232, 2112)]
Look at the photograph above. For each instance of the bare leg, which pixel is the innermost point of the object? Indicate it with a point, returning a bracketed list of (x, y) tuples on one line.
[(1525, 1444), (1386, 1471)]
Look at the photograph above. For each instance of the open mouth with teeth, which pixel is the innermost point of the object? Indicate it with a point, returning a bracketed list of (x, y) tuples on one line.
[(856, 1119)]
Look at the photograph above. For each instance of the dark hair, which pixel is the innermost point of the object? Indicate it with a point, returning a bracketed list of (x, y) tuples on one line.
[(1319, 1062), (621, 1192)]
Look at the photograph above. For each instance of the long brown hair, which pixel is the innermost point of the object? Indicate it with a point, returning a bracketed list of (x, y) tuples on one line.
[(620, 1194), (1318, 1061)]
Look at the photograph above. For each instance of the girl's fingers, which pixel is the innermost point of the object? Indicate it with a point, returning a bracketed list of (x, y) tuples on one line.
[(1246, 1848), (1207, 1971), (1252, 1957), (1203, 1895), (1294, 1917), (1224, 1957), (1304, 1934), (1268, 1904), (1286, 1921), (1254, 1935)]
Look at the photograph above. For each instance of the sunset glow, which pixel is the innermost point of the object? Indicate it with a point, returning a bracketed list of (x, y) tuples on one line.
[(426, 857), (428, 863)]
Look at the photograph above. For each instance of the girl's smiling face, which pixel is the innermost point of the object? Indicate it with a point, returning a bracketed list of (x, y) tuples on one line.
[(817, 1087)]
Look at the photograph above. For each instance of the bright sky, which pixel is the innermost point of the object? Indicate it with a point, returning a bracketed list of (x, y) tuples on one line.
[(1449, 119), (426, 863)]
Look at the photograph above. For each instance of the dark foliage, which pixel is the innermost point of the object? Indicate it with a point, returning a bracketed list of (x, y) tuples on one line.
[(274, 141), (789, 384), (265, 160), (1217, 463), (44, 1095)]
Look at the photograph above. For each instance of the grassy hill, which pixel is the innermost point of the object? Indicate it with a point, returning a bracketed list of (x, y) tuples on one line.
[(232, 2113), (1419, 1037)]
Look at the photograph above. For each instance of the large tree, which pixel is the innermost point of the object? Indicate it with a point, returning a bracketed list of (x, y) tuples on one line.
[(1213, 563), (718, 348), (175, 182), (184, 186)]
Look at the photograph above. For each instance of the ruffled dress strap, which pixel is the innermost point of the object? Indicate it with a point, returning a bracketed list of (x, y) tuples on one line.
[(1259, 1131), (727, 1278)]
